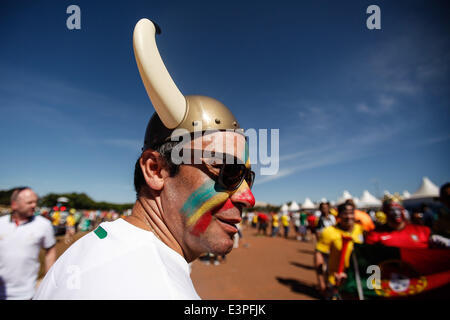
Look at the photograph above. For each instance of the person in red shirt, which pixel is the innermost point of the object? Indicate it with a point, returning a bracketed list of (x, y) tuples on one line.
[(398, 232), (262, 223)]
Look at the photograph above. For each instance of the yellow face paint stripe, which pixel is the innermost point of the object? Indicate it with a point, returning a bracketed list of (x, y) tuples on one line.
[(210, 204)]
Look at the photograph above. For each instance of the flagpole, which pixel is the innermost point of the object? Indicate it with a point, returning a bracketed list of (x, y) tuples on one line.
[(357, 278)]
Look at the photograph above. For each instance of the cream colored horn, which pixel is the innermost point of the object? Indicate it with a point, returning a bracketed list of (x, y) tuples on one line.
[(168, 101)]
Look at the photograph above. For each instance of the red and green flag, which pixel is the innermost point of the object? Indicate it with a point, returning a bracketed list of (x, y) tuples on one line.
[(378, 271)]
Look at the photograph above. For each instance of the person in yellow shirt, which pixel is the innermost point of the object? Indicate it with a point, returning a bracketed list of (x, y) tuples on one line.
[(329, 246), (255, 221), (70, 227), (275, 224), (285, 221), (56, 220)]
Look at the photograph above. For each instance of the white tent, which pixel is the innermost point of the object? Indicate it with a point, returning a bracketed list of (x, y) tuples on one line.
[(308, 204), (284, 208), (406, 195), (294, 206), (367, 200), (345, 196), (426, 194), (427, 190)]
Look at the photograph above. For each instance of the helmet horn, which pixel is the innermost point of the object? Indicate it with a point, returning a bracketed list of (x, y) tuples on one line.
[(169, 102)]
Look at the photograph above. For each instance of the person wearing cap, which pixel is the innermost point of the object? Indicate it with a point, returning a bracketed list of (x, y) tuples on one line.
[(191, 189), (22, 236), (399, 232)]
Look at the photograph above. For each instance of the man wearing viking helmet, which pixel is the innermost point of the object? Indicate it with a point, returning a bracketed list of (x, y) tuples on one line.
[(187, 204)]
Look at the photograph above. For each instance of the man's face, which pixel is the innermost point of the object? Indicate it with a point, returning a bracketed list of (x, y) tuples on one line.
[(347, 218), (25, 204), (394, 216), (199, 212)]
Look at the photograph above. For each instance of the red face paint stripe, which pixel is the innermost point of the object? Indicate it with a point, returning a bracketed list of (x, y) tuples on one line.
[(227, 205), (202, 223)]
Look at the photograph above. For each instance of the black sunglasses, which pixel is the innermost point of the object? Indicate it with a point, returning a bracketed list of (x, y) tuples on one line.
[(232, 175)]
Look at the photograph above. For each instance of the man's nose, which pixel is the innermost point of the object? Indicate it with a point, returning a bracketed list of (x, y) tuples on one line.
[(243, 195)]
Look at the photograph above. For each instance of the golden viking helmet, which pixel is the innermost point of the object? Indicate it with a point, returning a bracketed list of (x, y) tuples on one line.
[(173, 109)]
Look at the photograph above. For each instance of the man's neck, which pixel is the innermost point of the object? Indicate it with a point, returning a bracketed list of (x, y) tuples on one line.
[(19, 219), (147, 215), (346, 228), (397, 227)]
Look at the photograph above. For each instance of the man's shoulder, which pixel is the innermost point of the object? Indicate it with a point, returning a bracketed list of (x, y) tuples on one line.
[(331, 232), (102, 264), (42, 221), (415, 227), (358, 228)]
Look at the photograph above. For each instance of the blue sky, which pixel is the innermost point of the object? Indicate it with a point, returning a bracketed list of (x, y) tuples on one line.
[(356, 108)]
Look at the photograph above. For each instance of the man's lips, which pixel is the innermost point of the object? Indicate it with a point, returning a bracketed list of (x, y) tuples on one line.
[(229, 224)]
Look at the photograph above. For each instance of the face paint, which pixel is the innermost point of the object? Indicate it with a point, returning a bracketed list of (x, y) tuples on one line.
[(202, 224), (246, 156), (199, 205), (244, 195)]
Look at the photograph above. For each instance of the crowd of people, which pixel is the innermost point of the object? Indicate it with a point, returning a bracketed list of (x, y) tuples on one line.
[(333, 228), (329, 228)]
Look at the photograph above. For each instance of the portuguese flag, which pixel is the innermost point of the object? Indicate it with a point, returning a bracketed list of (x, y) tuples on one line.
[(378, 271)]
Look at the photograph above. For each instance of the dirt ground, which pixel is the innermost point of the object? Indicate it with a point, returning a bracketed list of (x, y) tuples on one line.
[(261, 268)]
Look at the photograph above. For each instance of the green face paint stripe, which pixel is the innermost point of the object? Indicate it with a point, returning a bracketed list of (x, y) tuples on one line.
[(196, 199), (246, 153), (100, 232)]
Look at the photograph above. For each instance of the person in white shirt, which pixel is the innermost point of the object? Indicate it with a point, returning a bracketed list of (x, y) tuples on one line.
[(326, 218), (183, 208), (22, 235)]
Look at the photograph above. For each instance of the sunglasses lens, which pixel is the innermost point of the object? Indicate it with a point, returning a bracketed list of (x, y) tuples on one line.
[(250, 178), (232, 175)]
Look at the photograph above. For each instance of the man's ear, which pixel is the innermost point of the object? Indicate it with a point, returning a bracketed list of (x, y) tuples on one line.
[(153, 169), (13, 205)]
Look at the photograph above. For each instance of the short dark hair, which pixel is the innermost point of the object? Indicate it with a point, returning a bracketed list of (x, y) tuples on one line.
[(341, 207), (350, 202), (16, 192), (442, 189), (323, 204), (165, 150)]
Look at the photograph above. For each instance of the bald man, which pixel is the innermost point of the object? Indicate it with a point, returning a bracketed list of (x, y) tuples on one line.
[(22, 235)]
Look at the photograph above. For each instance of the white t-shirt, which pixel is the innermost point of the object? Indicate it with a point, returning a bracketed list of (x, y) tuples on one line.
[(296, 217), (19, 255), (118, 261)]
